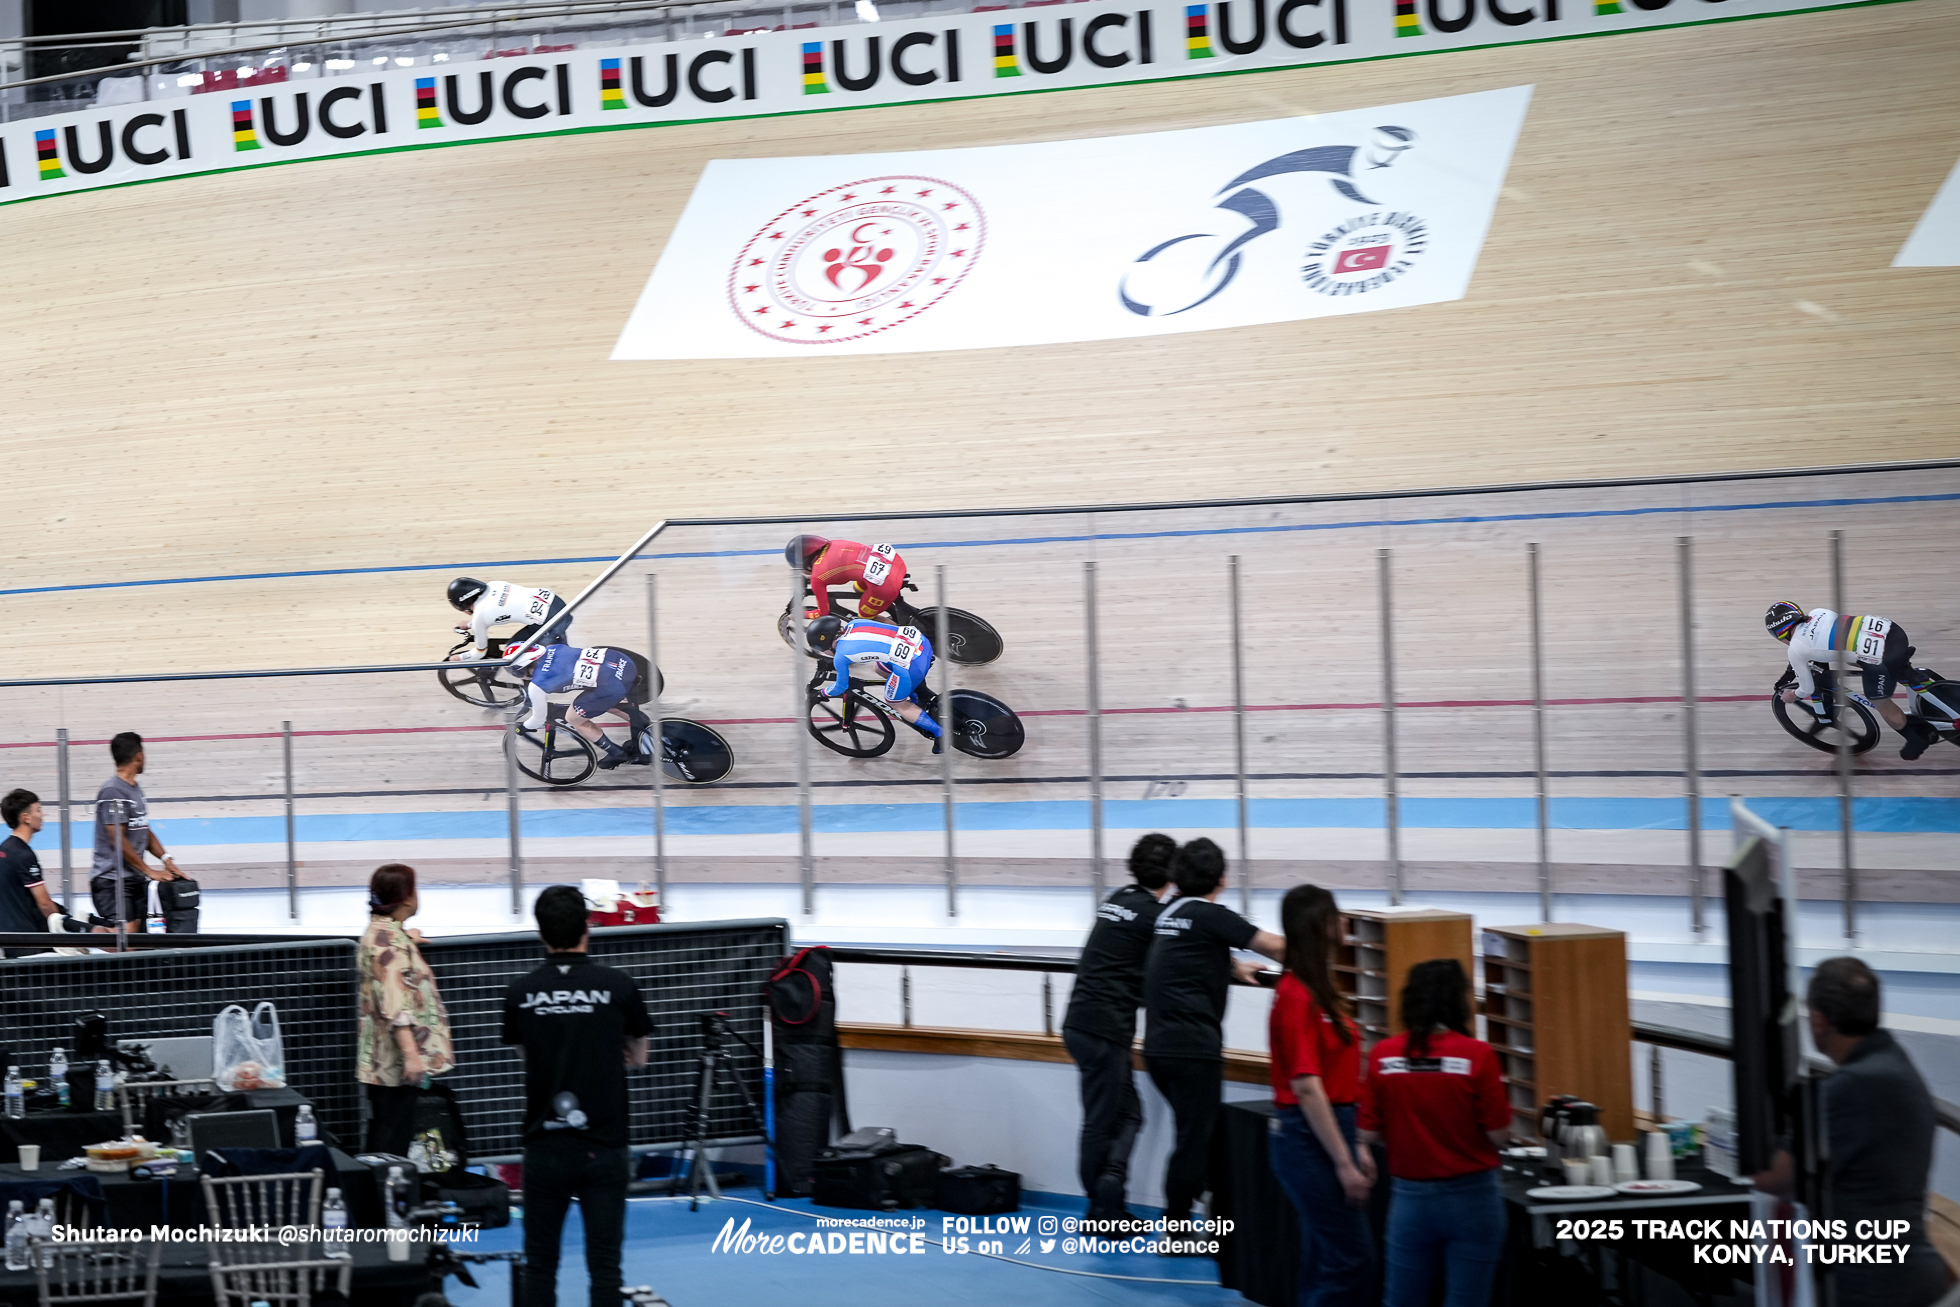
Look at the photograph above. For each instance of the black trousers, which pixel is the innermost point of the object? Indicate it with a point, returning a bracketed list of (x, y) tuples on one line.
[(1111, 1116), (555, 1172), (1192, 1086)]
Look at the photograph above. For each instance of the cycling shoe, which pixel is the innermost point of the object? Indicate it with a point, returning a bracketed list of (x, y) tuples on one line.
[(1919, 736)]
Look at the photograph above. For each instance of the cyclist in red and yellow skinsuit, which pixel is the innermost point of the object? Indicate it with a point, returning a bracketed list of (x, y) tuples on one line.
[(876, 571)]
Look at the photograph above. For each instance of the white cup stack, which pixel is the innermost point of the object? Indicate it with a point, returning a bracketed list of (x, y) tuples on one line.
[(1625, 1166), (1578, 1171), (1602, 1171), (1660, 1155)]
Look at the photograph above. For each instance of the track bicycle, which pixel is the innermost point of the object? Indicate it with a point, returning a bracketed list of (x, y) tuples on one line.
[(971, 641), (691, 752), (1831, 718), (859, 724)]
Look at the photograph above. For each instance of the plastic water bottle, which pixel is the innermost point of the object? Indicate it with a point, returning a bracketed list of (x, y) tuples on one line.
[(43, 1227), (396, 1191), (58, 1072), (16, 1095), (17, 1258), (333, 1220), (306, 1130), (105, 1087)]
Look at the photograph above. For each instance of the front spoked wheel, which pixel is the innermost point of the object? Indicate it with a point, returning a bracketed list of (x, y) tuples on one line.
[(556, 755), (1842, 721), (479, 686), (851, 726)]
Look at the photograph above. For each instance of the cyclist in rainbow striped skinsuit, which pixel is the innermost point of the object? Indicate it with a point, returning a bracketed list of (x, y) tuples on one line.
[(1877, 645)]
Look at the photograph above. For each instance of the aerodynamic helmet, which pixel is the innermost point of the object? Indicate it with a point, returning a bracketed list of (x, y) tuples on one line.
[(465, 591), (798, 551), (525, 655), (823, 633), (1782, 619)]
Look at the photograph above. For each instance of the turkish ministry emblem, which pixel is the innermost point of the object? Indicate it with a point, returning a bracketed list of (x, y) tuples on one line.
[(856, 260)]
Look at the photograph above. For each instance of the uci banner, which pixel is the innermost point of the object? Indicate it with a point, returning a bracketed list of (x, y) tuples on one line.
[(955, 56), (1081, 240)]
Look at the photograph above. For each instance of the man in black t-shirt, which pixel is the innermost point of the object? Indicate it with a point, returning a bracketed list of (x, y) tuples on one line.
[(1101, 1025), (580, 1026), (1184, 984), (24, 902)]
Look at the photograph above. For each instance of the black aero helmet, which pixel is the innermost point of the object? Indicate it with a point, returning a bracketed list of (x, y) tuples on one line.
[(823, 632), (797, 552), (465, 591), (1782, 619)]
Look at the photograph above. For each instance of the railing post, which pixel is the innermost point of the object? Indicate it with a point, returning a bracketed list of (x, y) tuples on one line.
[(1238, 741), (1538, 737), (1047, 1003), (61, 781), (1392, 815), (800, 716), (292, 844), (942, 645), (905, 996), (659, 762), (515, 814), (1839, 668), (1690, 723), (1095, 734), (1658, 1103)]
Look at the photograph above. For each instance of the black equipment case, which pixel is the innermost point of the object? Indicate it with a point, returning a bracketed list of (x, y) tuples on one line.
[(978, 1191), (902, 1175)]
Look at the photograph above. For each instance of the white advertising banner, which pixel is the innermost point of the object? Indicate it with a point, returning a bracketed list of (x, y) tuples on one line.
[(287, 112), (1147, 235), (1935, 242)]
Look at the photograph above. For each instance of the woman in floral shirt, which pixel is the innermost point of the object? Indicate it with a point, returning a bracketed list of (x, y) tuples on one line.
[(404, 1026)]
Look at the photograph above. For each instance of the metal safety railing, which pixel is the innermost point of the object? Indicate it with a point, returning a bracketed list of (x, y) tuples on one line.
[(949, 777)]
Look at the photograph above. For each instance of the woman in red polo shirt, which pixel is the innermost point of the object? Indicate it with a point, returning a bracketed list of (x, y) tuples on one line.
[(1316, 1074), (1436, 1097)]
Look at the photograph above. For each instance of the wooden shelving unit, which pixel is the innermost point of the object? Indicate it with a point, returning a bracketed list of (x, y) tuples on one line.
[(1377, 950), (1555, 1009)]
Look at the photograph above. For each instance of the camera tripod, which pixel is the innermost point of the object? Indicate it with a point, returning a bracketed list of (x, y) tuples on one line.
[(714, 1026)]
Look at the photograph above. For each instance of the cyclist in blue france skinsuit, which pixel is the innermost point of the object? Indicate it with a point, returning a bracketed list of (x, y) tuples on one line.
[(902, 653), (593, 681)]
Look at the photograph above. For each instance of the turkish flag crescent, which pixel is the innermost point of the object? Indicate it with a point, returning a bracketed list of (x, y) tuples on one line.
[(1365, 259)]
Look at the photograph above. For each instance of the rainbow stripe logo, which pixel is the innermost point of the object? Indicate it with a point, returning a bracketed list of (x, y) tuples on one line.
[(426, 113), (44, 146), (1406, 22), (1005, 62), (1197, 32), (243, 135), (610, 96), (813, 82)]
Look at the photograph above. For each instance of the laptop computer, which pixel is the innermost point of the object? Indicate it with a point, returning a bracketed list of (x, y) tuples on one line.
[(255, 1129)]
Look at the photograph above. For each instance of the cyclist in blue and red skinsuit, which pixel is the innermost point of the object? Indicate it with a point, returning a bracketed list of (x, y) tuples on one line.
[(592, 681), (902, 653)]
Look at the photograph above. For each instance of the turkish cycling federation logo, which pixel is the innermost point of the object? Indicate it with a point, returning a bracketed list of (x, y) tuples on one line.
[(1360, 255), (856, 260)]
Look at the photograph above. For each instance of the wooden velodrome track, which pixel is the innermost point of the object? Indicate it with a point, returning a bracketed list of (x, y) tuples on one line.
[(372, 366)]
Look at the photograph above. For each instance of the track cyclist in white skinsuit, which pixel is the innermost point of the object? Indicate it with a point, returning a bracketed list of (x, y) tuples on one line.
[(498, 603), (1877, 645)]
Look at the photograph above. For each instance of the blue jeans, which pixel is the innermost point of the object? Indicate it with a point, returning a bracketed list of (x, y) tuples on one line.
[(1337, 1254), (1455, 1224)]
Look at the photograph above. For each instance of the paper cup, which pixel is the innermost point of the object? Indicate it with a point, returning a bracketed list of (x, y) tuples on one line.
[(1578, 1171), (1602, 1171), (1625, 1166), (30, 1157)]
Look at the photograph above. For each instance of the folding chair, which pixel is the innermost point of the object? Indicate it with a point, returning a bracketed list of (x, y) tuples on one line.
[(96, 1271), (135, 1097), (240, 1201)]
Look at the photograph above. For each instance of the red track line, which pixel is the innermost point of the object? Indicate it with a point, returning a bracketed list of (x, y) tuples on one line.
[(1033, 712)]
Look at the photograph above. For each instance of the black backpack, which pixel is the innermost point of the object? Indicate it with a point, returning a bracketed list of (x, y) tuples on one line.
[(809, 1065)]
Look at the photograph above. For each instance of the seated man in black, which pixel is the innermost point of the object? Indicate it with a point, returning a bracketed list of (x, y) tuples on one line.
[(1184, 982), (1101, 1025), (1878, 1126)]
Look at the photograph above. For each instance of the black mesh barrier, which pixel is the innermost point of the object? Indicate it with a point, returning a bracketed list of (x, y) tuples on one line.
[(165, 994), (683, 970)]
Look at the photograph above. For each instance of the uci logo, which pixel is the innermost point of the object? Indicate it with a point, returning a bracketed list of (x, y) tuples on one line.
[(1182, 278)]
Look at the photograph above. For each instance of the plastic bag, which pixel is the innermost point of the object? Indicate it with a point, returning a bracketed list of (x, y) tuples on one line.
[(246, 1051)]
